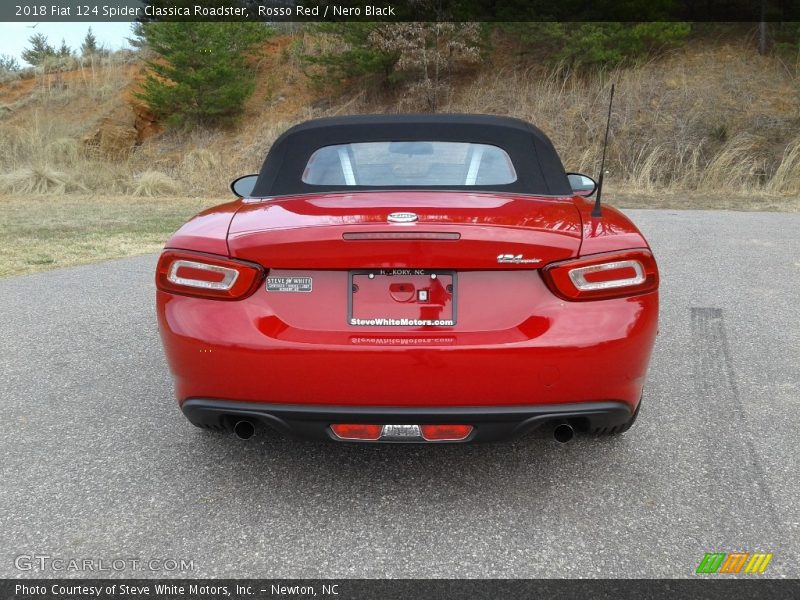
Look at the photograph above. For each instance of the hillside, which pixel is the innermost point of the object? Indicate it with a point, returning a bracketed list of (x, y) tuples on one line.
[(714, 118)]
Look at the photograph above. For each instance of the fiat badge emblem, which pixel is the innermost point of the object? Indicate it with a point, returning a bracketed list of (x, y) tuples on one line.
[(403, 217)]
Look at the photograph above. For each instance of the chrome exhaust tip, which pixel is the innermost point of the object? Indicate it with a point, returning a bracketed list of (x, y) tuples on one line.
[(244, 430), (563, 433)]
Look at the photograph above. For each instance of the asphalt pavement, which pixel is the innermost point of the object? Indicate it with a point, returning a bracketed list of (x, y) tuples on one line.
[(98, 463)]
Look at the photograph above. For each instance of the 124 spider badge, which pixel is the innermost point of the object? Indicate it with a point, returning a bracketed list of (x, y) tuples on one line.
[(516, 259)]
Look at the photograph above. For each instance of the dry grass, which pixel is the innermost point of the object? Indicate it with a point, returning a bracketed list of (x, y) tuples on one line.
[(739, 165), (38, 234), (39, 179), (151, 184), (205, 162), (62, 80), (627, 198), (705, 119), (44, 156), (786, 178)]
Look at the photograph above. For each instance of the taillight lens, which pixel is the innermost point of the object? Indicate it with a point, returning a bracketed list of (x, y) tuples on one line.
[(601, 276), (206, 275)]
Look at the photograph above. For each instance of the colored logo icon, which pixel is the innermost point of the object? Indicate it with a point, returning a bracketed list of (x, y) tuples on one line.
[(734, 562)]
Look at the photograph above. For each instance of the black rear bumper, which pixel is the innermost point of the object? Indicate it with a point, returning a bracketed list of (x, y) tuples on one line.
[(491, 423)]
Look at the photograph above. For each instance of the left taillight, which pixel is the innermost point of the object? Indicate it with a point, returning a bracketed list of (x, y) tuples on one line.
[(603, 276), (206, 275)]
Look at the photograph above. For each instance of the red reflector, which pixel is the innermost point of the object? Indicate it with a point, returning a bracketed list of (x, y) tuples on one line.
[(357, 431), (445, 432)]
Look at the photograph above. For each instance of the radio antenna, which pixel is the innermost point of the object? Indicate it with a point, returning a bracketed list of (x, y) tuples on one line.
[(596, 212)]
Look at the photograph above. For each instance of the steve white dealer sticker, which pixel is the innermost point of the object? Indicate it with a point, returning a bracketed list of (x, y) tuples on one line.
[(288, 284)]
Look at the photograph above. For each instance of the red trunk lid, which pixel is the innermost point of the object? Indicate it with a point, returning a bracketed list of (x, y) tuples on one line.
[(309, 231)]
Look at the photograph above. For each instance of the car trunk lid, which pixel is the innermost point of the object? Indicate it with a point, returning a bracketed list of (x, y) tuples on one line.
[(453, 230)]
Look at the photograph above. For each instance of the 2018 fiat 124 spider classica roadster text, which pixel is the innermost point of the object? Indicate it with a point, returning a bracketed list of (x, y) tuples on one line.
[(425, 278)]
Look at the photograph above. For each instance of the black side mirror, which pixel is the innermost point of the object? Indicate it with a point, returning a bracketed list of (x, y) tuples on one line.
[(243, 186), (582, 185)]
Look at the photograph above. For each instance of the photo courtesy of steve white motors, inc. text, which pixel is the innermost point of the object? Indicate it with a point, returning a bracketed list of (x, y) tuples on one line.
[(64, 590)]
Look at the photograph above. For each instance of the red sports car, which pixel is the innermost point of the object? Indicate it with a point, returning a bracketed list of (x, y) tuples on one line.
[(409, 278)]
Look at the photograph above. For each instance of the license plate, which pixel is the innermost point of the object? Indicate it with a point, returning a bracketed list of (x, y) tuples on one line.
[(402, 298)]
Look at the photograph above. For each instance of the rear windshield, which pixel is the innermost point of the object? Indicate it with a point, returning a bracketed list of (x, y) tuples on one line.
[(416, 163)]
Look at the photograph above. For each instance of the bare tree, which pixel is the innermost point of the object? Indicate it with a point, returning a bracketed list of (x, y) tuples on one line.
[(762, 29), (427, 53)]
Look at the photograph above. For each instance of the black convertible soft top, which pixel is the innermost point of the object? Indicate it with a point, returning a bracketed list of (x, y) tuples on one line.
[(539, 169)]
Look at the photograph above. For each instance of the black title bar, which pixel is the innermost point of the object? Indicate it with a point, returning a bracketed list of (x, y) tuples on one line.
[(708, 587), (399, 10)]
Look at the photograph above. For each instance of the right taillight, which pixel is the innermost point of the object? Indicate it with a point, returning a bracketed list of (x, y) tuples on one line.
[(602, 276)]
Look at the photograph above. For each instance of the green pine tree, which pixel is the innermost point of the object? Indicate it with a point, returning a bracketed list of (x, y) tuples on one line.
[(355, 56), (203, 72), (39, 51), (8, 63), (601, 44), (89, 45), (64, 50)]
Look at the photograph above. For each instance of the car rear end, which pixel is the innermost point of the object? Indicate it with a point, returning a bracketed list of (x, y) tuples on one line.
[(467, 317)]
